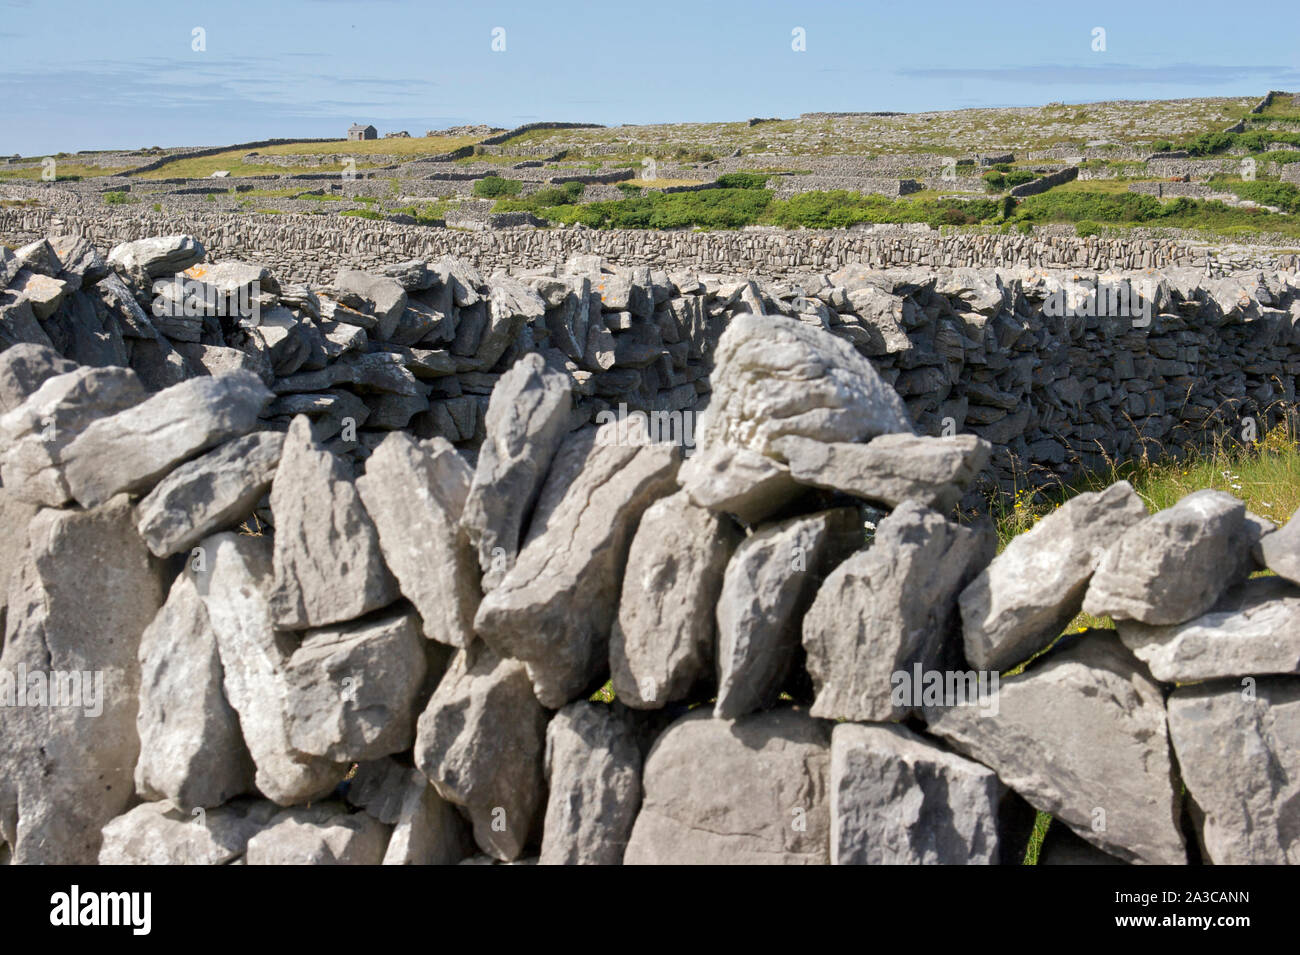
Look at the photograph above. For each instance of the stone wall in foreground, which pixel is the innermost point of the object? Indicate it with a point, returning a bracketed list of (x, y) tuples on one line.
[(237, 632)]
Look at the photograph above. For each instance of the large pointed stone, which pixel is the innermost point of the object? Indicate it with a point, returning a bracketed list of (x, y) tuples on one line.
[(328, 564), (593, 775), (753, 791), (133, 449), (888, 608), (769, 583), (84, 593), (24, 368), (898, 799), (527, 417), (555, 607), (1018, 605), (480, 742), (210, 493), (191, 749), (415, 492), (1238, 745), (235, 585), (1174, 565), (1081, 735), (663, 641)]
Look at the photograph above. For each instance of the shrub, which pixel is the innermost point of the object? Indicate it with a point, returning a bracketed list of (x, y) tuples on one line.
[(496, 187), (742, 180), (115, 198)]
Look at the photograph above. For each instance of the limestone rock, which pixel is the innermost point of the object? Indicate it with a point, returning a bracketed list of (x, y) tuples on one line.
[(415, 493), (73, 629), (1239, 750), (593, 775), (1174, 565), (376, 295), (888, 608), (209, 494), (24, 368), (158, 833), (1081, 735), (1280, 550), (427, 830), (662, 642), (191, 750), (480, 742), (131, 450), (1036, 586), (898, 799), (527, 417), (324, 834), (769, 583), (555, 607), (328, 565), (753, 791), (738, 481), (144, 260)]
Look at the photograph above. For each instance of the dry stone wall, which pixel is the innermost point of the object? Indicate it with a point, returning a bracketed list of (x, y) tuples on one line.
[(235, 632)]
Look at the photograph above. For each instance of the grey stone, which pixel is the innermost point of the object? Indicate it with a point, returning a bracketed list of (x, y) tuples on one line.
[(325, 834), (554, 608), (328, 565), (133, 449), (1174, 565), (158, 833), (898, 799), (753, 791), (662, 642), (593, 775), (415, 493), (512, 305), (1280, 550), (209, 494), (36, 435), (41, 292), (1018, 605), (1253, 629), (18, 324), (428, 830), (69, 768), (1081, 735), (191, 750), (376, 295), (144, 260), (891, 468), (889, 608), (738, 481), (350, 690), (480, 742), (24, 368), (1238, 745), (769, 583), (527, 417), (235, 585)]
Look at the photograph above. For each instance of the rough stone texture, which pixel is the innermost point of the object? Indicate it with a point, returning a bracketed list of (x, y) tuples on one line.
[(480, 742), (1174, 565), (209, 494), (235, 587), (1031, 590), (383, 298), (1253, 629), (1239, 750), (774, 376), (133, 449), (191, 750), (527, 417), (738, 481), (662, 642), (35, 435), (69, 769), (15, 515), (24, 368), (427, 830), (143, 260), (768, 585), (415, 493), (158, 833), (351, 688), (593, 774), (554, 608), (325, 834), (888, 608), (328, 564), (898, 799), (1081, 735), (891, 468), (753, 791), (1280, 550)]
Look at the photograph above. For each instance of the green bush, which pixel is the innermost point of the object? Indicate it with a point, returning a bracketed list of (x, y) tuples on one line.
[(1283, 195), (742, 180), (998, 180), (1162, 146), (496, 187), (115, 198), (1086, 227)]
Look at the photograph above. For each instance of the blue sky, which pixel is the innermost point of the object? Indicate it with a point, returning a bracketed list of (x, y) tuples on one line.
[(124, 74)]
